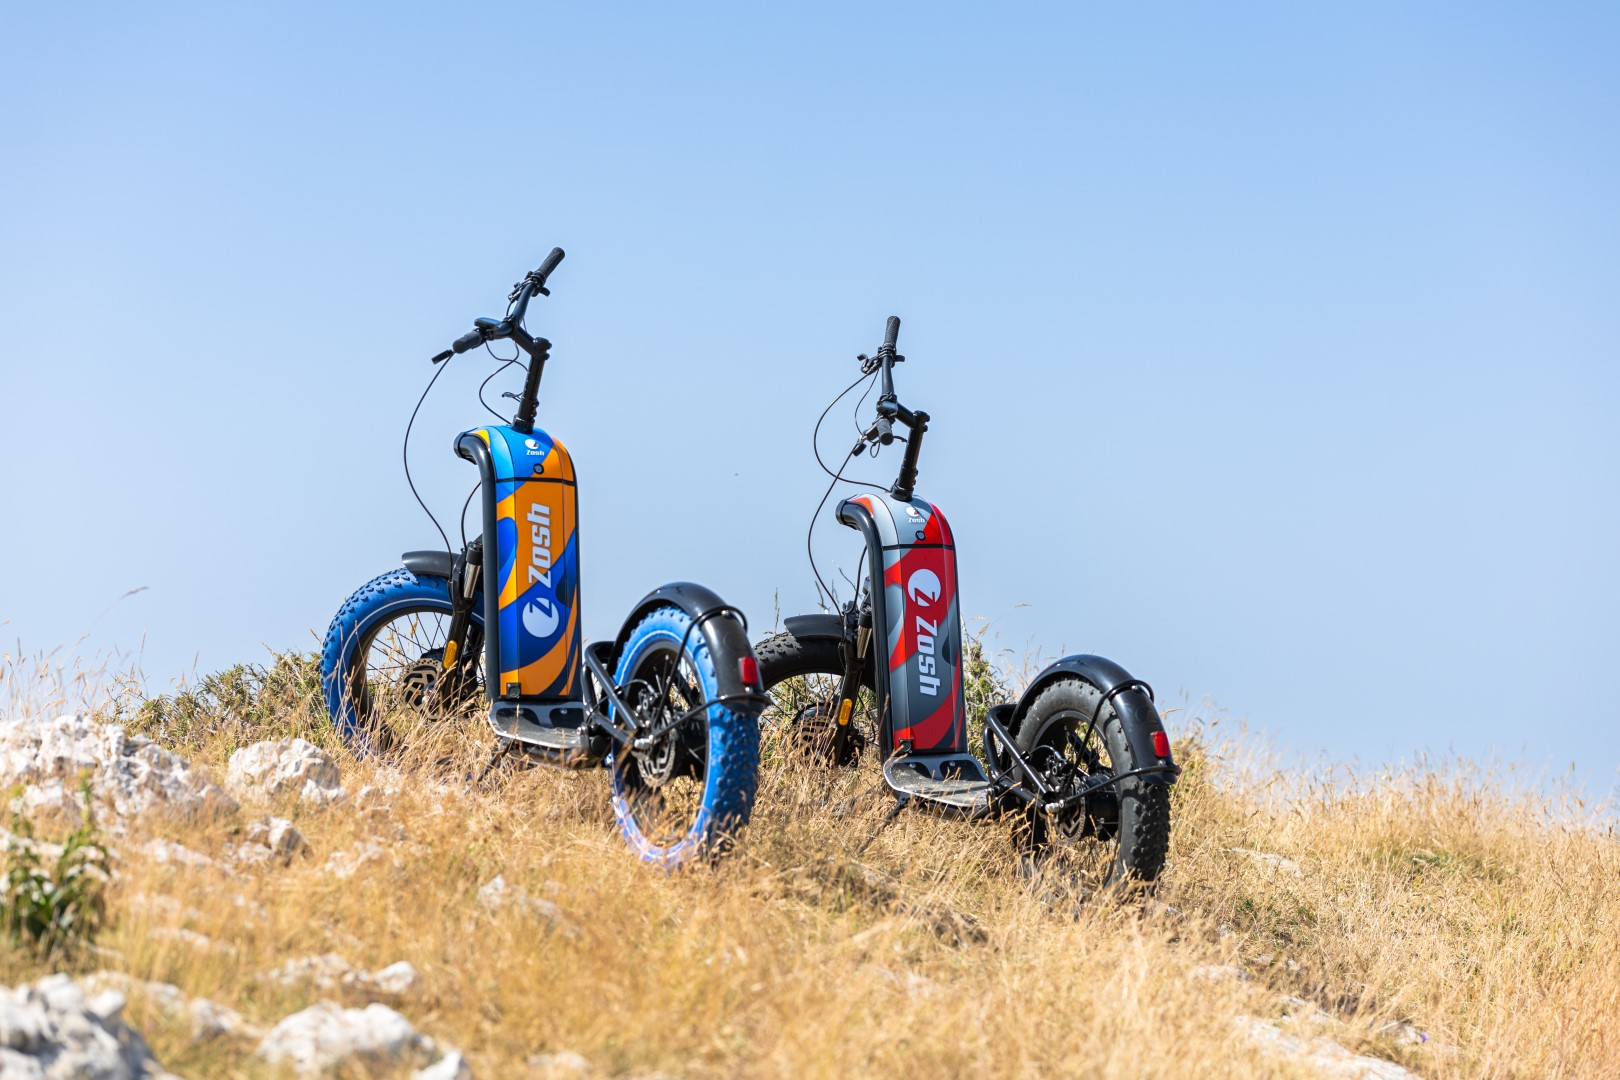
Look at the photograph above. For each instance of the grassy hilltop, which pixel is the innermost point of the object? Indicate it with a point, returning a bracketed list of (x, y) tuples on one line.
[(1426, 917)]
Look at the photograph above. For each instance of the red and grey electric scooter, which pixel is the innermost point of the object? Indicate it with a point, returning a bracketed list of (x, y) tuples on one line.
[(1083, 752)]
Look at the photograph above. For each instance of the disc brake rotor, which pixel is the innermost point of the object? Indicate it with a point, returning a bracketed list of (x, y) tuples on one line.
[(657, 761)]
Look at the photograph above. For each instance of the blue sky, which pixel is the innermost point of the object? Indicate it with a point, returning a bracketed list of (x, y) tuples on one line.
[(1272, 348)]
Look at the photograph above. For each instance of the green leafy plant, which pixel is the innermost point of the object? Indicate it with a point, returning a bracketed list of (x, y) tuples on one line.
[(240, 705), (60, 910)]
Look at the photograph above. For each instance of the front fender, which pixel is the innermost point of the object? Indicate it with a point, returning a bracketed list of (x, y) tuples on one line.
[(1131, 698), (723, 627), (815, 627)]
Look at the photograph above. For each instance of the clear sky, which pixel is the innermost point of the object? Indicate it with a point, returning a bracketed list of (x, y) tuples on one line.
[(1273, 349)]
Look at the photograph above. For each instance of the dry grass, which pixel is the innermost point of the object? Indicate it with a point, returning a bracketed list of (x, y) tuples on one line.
[(829, 946)]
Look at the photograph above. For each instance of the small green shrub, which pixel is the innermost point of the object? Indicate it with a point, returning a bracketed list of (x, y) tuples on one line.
[(242, 704), (61, 910)]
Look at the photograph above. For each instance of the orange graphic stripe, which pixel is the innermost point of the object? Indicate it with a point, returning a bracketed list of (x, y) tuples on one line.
[(540, 674)]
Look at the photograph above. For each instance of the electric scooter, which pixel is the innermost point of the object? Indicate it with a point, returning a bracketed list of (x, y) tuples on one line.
[(670, 707), (1083, 753)]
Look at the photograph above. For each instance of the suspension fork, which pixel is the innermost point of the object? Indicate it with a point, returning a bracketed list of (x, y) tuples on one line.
[(853, 649), (464, 579)]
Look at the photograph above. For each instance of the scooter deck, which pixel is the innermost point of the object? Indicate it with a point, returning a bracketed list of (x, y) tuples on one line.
[(551, 725), (956, 781)]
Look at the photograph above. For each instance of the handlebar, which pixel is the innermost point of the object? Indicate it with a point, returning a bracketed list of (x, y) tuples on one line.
[(889, 410), (487, 330), (546, 268)]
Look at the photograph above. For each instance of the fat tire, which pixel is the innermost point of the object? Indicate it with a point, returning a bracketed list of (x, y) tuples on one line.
[(783, 656), (1143, 833), (733, 752), (377, 599)]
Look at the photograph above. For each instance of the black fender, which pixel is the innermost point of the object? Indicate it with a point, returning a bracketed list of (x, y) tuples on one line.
[(723, 628), (432, 563), (1131, 698), (815, 627)]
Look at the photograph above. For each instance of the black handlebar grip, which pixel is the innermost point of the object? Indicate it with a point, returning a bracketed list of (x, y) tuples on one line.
[(885, 426), (470, 340), (891, 333), (549, 265)]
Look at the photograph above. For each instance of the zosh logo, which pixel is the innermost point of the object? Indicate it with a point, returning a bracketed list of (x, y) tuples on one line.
[(923, 588), (540, 616)]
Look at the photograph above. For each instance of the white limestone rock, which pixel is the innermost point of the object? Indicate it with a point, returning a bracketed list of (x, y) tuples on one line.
[(270, 839), (496, 896), (326, 1035), (332, 972), (450, 1067), (1271, 861), (346, 863), (129, 775), (1321, 1055), (563, 1063), (208, 1020), (52, 1031), (281, 768), (170, 853)]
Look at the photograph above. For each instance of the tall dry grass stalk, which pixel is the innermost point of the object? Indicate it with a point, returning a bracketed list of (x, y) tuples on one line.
[(830, 945)]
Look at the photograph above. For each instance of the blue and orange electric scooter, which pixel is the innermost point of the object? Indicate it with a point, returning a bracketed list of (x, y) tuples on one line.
[(1083, 752), (670, 707)]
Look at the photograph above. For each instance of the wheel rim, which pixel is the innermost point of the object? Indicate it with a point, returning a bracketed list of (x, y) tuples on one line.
[(663, 781), (801, 720), (1070, 753), (397, 670)]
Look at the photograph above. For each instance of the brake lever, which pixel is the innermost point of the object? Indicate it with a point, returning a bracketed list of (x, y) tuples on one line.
[(870, 364), (517, 290), (442, 357)]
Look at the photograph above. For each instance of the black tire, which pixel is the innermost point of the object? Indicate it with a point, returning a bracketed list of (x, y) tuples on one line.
[(1134, 815), (801, 713)]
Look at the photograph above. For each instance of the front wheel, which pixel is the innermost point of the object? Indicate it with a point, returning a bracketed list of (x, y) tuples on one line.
[(683, 790), (1123, 828)]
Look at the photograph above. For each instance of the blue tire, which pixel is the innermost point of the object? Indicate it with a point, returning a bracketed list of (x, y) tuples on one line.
[(686, 801), (397, 598)]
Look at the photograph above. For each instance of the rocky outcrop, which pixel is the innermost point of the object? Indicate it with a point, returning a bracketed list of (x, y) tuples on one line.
[(284, 768), (129, 774), (326, 1035), (52, 1031), (206, 1019)]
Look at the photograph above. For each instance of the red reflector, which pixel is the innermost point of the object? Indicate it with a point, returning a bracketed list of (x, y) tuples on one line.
[(1161, 744), (748, 668)]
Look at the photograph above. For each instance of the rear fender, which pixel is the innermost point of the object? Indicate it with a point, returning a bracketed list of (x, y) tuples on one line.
[(1131, 698)]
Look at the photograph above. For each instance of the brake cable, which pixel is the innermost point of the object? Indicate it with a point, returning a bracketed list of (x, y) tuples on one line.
[(405, 453)]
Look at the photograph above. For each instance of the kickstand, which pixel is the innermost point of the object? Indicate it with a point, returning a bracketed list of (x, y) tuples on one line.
[(503, 750), (900, 802)]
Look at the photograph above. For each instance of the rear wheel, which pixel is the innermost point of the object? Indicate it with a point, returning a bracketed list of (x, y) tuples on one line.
[(1123, 830), (802, 677), (382, 664), (684, 790)]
